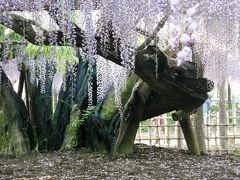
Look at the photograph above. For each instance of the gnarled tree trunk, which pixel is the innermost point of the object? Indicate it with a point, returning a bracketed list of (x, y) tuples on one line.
[(39, 105), (107, 131), (14, 125), (66, 100)]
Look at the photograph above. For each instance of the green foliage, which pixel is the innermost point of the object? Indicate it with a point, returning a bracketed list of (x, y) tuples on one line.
[(9, 52), (77, 119), (12, 35), (87, 112), (75, 16), (2, 34), (238, 117), (230, 121), (63, 55), (236, 154), (16, 37), (144, 129), (170, 121), (213, 109), (31, 50)]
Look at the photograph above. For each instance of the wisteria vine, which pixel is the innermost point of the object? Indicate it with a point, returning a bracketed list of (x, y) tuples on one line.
[(207, 30)]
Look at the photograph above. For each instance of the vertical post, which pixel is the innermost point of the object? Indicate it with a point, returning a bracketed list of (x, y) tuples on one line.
[(137, 139), (140, 133), (188, 131), (235, 120), (222, 115), (150, 132), (168, 136), (179, 135), (199, 129), (157, 131), (216, 131), (208, 132)]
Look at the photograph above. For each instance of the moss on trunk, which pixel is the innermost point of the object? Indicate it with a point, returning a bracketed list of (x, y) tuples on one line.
[(108, 108), (72, 135)]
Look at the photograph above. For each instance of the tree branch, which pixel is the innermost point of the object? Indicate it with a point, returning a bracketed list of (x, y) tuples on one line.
[(13, 42), (186, 98), (144, 33), (156, 30)]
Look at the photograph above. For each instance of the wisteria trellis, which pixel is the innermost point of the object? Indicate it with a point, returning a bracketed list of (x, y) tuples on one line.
[(209, 28)]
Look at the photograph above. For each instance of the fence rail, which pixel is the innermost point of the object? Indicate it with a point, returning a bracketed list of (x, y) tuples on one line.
[(163, 131)]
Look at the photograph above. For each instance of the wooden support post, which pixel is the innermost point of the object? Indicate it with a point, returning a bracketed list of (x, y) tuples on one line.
[(188, 131)]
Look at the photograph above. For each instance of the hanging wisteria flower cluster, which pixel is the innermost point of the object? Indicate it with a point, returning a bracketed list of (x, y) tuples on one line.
[(174, 25), (211, 28), (111, 75), (217, 40), (182, 29)]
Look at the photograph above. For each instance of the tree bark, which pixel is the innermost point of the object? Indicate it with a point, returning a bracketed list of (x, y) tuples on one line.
[(43, 114), (30, 91), (130, 118), (15, 120), (39, 105), (21, 80)]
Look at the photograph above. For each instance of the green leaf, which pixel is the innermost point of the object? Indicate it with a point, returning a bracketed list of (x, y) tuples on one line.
[(31, 50), (16, 37), (2, 32)]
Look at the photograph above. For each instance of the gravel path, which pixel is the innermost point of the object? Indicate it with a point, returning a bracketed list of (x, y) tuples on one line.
[(145, 163)]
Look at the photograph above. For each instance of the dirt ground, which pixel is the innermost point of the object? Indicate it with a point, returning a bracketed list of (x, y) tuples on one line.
[(145, 163)]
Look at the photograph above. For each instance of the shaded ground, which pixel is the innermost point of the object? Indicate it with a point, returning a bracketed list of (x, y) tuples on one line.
[(145, 163)]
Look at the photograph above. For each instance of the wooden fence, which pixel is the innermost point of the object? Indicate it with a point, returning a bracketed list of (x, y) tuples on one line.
[(163, 131)]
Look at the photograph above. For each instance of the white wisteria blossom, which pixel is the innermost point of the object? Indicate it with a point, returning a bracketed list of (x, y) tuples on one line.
[(209, 28)]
